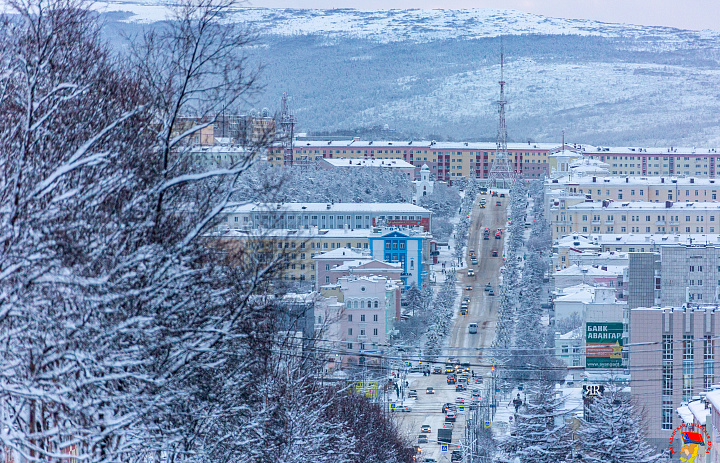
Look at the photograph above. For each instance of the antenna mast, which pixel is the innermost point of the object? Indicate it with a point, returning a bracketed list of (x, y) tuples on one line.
[(287, 123), (501, 171)]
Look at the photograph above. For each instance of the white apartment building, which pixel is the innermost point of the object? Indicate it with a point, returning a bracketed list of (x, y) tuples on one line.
[(324, 216), (639, 217)]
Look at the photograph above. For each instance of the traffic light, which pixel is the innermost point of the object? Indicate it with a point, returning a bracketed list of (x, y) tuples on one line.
[(493, 367)]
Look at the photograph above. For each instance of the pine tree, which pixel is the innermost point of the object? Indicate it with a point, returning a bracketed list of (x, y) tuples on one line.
[(611, 434), (541, 434)]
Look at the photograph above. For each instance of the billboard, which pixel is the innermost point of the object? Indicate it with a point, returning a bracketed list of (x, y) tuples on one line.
[(603, 345)]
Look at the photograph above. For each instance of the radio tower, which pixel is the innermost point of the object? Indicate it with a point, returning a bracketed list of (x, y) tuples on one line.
[(501, 171), (287, 123)]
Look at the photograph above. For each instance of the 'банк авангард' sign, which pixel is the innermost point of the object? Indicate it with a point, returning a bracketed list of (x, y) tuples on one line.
[(603, 345)]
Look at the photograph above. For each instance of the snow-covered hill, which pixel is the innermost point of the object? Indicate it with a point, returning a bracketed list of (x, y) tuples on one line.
[(433, 73)]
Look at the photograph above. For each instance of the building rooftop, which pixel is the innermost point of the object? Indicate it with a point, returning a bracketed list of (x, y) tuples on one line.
[(281, 233), (589, 270), (328, 207), (383, 163), (605, 239), (605, 150), (354, 264), (419, 144), (653, 181), (344, 253), (643, 206)]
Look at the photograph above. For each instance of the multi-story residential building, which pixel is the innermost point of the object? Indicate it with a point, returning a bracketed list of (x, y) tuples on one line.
[(638, 217), (676, 275), (447, 160), (649, 189), (656, 161), (324, 216), (609, 276), (297, 249), (672, 359), (332, 265), (372, 305)]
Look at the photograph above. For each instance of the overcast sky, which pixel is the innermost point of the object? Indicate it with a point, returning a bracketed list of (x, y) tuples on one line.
[(685, 14)]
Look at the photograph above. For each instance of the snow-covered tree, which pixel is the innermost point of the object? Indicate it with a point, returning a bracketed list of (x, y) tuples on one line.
[(613, 431), (541, 434)]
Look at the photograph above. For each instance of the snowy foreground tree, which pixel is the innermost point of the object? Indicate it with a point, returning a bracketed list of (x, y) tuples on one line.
[(126, 336), (540, 434), (613, 431)]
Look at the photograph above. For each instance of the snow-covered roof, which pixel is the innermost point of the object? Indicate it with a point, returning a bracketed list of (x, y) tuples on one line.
[(643, 206), (575, 270), (608, 239), (419, 144), (663, 151), (578, 293), (577, 333), (565, 153), (281, 233), (354, 264), (384, 163), (329, 207), (344, 253), (685, 414), (699, 411), (632, 181), (713, 397)]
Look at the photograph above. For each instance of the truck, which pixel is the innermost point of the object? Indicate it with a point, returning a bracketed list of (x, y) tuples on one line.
[(444, 436)]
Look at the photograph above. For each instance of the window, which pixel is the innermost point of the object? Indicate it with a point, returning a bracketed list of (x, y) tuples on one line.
[(349, 331), (375, 331), (327, 279), (362, 317), (688, 360), (709, 366), (375, 316), (387, 244), (362, 332), (349, 346), (667, 414), (376, 306), (350, 317), (692, 268)]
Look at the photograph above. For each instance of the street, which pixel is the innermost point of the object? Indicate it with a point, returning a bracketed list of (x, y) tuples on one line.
[(466, 347)]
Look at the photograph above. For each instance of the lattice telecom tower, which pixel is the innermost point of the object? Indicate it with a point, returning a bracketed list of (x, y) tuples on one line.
[(287, 124), (502, 170)]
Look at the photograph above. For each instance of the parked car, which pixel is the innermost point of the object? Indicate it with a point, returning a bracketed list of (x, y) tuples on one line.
[(422, 439), (403, 408), (456, 456), (429, 390), (430, 460), (425, 428)]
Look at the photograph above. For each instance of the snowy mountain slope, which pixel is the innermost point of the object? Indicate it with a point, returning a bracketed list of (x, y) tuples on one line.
[(434, 73)]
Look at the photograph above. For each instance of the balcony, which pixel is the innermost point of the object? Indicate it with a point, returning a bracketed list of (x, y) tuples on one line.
[(362, 338), (609, 222), (595, 222)]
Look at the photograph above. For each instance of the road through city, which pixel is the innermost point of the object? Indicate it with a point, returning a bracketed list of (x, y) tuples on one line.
[(466, 347)]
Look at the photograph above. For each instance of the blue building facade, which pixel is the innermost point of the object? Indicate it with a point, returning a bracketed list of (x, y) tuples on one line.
[(397, 245)]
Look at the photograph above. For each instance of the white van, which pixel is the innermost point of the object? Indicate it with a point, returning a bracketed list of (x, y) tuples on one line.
[(472, 328)]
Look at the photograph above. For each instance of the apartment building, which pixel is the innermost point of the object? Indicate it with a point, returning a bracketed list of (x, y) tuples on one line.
[(672, 359), (298, 249), (393, 165), (338, 263), (675, 275), (650, 189), (699, 162), (324, 216), (447, 160), (371, 306), (611, 217)]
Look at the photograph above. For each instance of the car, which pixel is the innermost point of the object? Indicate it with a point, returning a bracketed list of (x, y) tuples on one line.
[(425, 428), (471, 252), (448, 407), (486, 236), (412, 394), (437, 370), (482, 200), (488, 287), (459, 387), (502, 195), (449, 369), (422, 439), (491, 293), (450, 416), (468, 288), (463, 311), (494, 193), (472, 328), (466, 299), (451, 379), (429, 460), (465, 366), (463, 380), (447, 425), (498, 236), (474, 262), (471, 272), (402, 408), (482, 206), (456, 456), (494, 254), (429, 390), (498, 203), (460, 401)]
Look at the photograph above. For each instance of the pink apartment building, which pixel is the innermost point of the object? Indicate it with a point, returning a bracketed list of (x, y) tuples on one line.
[(371, 306), (672, 359)]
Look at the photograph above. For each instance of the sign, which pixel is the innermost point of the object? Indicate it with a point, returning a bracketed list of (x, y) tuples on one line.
[(603, 345), (695, 442), (392, 406), (461, 409), (444, 447), (487, 424)]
